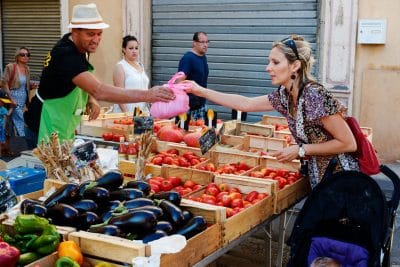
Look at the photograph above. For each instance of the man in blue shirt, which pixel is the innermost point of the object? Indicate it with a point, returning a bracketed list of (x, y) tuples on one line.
[(194, 65)]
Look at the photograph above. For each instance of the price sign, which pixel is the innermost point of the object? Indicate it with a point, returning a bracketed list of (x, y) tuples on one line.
[(84, 154), (137, 112), (143, 124), (207, 140)]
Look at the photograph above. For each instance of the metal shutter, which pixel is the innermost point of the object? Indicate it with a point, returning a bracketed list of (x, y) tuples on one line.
[(31, 23), (241, 33)]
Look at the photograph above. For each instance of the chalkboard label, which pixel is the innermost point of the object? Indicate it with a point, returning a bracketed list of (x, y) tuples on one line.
[(207, 140), (142, 124), (84, 154)]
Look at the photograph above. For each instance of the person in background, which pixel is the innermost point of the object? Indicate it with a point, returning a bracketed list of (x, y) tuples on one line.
[(16, 83), (67, 86), (4, 100), (194, 65), (129, 73), (315, 117)]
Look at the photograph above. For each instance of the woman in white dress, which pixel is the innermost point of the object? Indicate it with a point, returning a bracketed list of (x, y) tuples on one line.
[(129, 73)]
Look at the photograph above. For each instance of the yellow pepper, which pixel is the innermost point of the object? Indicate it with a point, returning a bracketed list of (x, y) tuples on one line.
[(70, 249)]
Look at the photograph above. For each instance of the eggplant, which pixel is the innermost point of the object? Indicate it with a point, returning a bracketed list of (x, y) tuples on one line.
[(164, 226), (84, 220), (156, 210), (187, 215), (172, 213), (126, 194), (195, 225), (138, 222), (111, 180), (113, 204), (172, 196), (85, 205), (141, 185), (154, 236), (65, 194), (100, 195), (37, 209), (62, 214), (106, 230), (138, 202), (27, 202)]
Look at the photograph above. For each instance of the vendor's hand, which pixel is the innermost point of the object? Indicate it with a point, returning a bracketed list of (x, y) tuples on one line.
[(287, 154), (194, 88), (159, 93), (92, 109)]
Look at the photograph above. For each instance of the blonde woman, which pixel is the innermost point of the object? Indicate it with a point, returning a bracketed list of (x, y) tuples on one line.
[(16, 83)]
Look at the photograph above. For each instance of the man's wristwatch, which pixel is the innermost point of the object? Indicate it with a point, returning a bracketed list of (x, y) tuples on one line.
[(302, 151)]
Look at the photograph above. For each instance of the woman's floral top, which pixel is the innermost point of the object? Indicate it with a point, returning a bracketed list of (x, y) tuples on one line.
[(314, 103)]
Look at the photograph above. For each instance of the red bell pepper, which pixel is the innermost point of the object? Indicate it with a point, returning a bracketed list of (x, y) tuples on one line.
[(8, 255)]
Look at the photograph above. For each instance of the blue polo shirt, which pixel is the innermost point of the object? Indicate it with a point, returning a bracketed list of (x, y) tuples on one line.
[(195, 68)]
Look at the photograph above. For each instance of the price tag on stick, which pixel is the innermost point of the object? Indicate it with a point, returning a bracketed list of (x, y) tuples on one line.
[(207, 140)]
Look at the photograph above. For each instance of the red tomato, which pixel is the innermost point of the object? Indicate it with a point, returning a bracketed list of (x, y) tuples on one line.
[(251, 196), (157, 160), (176, 181), (108, 136), (234, 189), (238, 202), (173, 151), (282, 172), (168, 160), (189, 184), (166, 185), (155, 187), (221, 194), (196, 187), (235, 195), (226, 200), (262, 196), (223, 187), (212, 191)]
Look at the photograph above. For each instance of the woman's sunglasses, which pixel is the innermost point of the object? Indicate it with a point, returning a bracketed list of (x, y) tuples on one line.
[(24, 54), (292, 45)]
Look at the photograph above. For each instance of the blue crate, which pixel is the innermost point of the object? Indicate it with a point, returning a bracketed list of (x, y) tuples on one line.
[(24, 180)]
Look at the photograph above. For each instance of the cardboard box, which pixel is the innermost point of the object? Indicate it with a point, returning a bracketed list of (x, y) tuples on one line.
[(24, 180)]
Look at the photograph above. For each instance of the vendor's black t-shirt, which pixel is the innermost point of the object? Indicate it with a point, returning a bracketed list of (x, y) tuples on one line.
[(61, 65)]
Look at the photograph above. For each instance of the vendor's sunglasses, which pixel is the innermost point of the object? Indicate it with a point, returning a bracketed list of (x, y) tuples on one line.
[(292, 44), (24, 54)]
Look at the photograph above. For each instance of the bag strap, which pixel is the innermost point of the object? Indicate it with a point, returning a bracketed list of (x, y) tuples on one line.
[(12, 75)]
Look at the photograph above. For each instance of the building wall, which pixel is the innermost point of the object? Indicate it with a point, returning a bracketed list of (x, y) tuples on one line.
[(377, 80), (109, 51)]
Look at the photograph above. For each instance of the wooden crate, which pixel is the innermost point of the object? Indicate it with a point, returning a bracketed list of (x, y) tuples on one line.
[(284, 135), (197, 176), (108, 247), (223, 158), (128, 169), (123, 250), (255, 143), (272, 120), (253, 129), (50, 261), (197, 248), (289, 195), (242, 222)]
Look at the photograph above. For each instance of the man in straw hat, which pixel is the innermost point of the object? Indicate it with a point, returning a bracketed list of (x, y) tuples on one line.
[(67, 86)]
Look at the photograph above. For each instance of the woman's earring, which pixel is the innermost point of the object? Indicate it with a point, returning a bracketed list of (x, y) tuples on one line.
[(293, 77)]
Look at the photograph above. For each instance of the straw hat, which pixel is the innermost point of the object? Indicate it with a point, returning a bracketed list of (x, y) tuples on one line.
[(87, 17)]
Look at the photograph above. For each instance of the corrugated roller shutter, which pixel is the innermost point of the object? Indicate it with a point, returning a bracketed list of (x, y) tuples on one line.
[(241, 33), (31, 23)]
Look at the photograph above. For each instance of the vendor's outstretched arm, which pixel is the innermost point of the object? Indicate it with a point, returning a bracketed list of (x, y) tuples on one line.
[(101, 91), (234, 101)]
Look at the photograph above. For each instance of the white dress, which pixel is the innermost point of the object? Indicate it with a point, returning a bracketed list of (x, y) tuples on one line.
[(134, 79)]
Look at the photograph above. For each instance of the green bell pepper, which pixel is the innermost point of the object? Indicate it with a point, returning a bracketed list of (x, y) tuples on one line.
[(47, 242), (66, 262), (28, 257), (29, 223)]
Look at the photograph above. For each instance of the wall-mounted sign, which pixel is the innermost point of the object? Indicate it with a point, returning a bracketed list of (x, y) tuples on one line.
[(372, 31)]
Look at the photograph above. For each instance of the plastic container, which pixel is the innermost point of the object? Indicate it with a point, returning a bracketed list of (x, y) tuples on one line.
[(24, 180)]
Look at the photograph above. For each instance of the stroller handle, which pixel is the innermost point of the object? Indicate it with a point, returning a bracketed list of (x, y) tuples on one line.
[(394, 201)]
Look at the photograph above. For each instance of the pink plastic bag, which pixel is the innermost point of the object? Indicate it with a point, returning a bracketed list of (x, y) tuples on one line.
[(166, 110)]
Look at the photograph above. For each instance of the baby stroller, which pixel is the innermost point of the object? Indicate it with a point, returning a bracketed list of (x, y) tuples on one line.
[(346, 217)]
